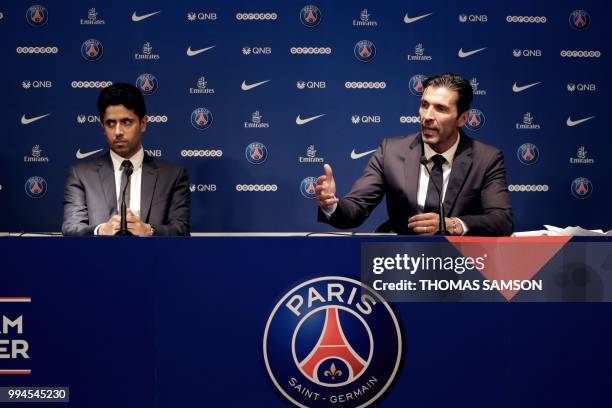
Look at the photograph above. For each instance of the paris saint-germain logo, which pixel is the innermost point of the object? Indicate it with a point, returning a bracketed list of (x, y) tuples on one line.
[(308, 187), (580, 20), (201, 118), (147, 84), (417, 83), (582, 188), (37, 16), (475, 120), (332, 341), (36, 187), (256, 153), (92, 50), (365, 50), (528, 153), (310, 16)]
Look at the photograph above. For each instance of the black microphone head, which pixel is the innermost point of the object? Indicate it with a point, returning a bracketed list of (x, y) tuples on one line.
[(423, 160)]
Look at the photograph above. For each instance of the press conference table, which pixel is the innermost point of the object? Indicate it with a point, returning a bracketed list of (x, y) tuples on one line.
[(177, 322)]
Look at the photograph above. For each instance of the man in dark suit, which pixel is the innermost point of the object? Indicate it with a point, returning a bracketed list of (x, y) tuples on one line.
[(157, 194), (470, 174)]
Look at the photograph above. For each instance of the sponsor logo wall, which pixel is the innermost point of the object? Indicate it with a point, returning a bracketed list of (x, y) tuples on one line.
[(247, 110)]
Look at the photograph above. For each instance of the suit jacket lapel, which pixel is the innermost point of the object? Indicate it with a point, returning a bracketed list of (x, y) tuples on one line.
[(107, 179), (149, 179), (412, 168), (461, 166)]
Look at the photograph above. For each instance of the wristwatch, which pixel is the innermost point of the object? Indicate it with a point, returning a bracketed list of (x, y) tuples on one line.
[(151, 230)]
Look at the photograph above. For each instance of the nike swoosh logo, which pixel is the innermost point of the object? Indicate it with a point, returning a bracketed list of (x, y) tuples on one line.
[(247, 87), (299, 121), (191, 53), (26, 121), (571, 122), (516, 88), (136, 18), (80, 155), (465, 54), (409, 20), (356, 156)]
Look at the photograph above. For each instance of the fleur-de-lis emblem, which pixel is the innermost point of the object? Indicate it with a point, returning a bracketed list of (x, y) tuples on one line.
[(333, 372)]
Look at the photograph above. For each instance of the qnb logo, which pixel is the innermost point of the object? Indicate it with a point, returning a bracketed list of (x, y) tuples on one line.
[(36, 187), (90, 84), (256, 50), (473, 18), (335, 338), (528, 153), (153, 152), (260, 188), (147, 84), (528, 188), (475, 120), (311, 50), (365, 85), (37, 16), (203, 188), (82, 119), (201, 153), (365, 119), (527, 19), (582, 188), (37, 50), (256, 16), (36, 84), (410, 119), (580, 54), (526, 53), (92, 50), (157, 118), (311, 84), (579, 20), (572, 87), (201, 16)]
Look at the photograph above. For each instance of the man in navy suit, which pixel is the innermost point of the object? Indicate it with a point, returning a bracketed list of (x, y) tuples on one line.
[(157, 194), (470, 174)]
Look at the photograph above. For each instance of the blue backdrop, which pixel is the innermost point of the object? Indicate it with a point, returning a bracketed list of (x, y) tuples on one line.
[(532, 98)]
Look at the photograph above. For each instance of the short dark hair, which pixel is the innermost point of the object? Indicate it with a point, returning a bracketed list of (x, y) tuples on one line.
[(122, 94), (455, 82)]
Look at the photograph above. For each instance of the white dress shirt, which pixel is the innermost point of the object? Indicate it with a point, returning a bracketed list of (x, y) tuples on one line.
[(135, 181)]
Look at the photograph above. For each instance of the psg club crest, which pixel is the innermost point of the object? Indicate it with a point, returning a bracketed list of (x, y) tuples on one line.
[(147, 84), (476, 120), (92, 50), (582, 188), (365, 50), (310, 16), (580, 20), (528, 153), (256, 153), (36, 187), (201, 118), (37, 16), (332, 341), (308, 187), (416, 84)]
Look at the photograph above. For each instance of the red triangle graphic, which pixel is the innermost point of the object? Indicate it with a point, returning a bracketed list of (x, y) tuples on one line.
[(510, 258)]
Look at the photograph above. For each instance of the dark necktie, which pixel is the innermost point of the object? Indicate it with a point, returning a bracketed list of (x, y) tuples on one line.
[(432, 201), (124, 181)]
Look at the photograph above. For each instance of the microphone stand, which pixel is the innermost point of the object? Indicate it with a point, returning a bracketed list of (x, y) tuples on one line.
[(442, 227), (123, 231)]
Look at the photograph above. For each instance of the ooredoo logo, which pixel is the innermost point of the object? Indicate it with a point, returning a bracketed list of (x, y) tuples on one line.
[(332, 340)]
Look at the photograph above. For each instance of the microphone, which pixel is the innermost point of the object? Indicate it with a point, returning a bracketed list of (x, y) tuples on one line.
[(123, 231), (442, 227)]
